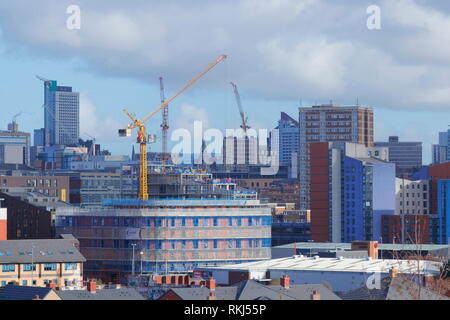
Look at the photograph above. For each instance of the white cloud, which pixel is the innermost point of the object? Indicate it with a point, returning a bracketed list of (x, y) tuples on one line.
[(101, 127), (187, 114), (281, 49)]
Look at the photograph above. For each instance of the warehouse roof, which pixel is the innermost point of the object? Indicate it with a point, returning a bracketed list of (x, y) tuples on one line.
[(40, 251), (368, 265)]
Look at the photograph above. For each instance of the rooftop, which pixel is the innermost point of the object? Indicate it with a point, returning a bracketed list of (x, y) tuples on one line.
[(367, 265), (348, 246), (177, 202), (15, 292), (101, 294), (42, 251), (252, 290)]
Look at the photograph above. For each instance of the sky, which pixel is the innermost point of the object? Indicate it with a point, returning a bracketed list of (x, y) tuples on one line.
[(282, 54)]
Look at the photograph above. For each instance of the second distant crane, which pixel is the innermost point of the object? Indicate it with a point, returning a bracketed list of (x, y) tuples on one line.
[(244, 119)]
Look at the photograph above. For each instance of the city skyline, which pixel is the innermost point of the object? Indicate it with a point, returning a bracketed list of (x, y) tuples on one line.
[(393, 91)]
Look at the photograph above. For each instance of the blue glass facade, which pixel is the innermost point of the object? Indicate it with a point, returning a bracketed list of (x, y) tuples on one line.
[(443, 201)]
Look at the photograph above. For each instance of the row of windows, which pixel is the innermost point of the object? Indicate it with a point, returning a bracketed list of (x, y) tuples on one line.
[(32, 267), (179, 244), (413, 186), (163, 222)]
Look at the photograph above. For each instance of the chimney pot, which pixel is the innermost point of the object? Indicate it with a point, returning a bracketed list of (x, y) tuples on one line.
[(393, 272), (92, 287), (211, 284), (285, 282), (315, 295)]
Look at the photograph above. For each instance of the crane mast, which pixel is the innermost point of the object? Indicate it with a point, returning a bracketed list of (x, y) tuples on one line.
[(165, 122), (142, 137), (244, 119)]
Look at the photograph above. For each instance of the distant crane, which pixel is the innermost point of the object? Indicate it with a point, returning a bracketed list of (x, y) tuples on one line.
[(92, 150), (15, 116), (142, 137), (165, 119), (13, 125), (244, 119)]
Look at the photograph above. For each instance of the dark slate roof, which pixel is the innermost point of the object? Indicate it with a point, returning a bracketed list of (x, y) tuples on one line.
[(364, 293), (14, 292), (252, 290), (45, 251), (101, 294), (304, 291), (403, 289), (202, 293)]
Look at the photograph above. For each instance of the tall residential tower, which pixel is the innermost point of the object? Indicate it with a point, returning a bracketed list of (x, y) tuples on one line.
[(330, 123)]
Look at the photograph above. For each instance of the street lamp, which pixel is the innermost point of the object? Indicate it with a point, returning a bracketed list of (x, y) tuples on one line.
[(32, 264), (142, 254), (132, 265), (381, 242)]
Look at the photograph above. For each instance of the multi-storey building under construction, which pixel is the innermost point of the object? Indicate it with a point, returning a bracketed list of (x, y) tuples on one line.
[(162, 236)]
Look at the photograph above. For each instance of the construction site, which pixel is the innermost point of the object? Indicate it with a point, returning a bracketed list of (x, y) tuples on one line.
[(169, 219)]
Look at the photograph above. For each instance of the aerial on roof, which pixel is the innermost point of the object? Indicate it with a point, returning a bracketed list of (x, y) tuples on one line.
[(40, 251)]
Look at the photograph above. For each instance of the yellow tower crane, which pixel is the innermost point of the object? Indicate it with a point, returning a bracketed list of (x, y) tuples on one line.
[(142, 137)]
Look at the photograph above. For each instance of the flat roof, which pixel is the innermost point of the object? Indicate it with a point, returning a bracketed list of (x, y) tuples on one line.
[(348, 246), (366, 265), (178, 202)]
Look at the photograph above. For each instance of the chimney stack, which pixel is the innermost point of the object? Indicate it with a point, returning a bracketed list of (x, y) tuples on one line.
[(212, 296), (428, 280), (51, 285), (3, 223), (92, 286), (393, 272), (211, 284), (315, 295), (285, 282)]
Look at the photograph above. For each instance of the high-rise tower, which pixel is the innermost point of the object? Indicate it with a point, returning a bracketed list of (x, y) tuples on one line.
[(62, 114)]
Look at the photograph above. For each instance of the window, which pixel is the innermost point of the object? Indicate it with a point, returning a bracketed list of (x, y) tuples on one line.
[(8, 268), (29, 267), (71, 266), (49, 267), (24, 282)]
